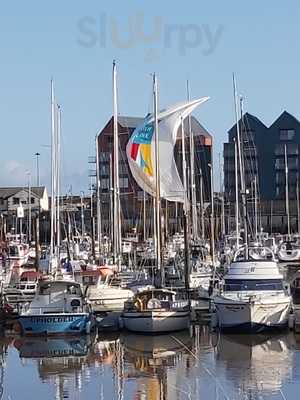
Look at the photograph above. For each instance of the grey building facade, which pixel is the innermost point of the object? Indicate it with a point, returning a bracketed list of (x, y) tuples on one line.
[(263, 151)]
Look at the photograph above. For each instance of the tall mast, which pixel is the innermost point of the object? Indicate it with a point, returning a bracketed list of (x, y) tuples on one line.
[(212, 216), (195, 233), (222, 200), (157, 182), (116, 191), (185, 211), (298, 205), (184, 167), (236, 194), (52, 169), (287, 206), (99, 228), (29, 208), (255, 208), (58, 152), (202, 206), (144, 215), (242, 177)]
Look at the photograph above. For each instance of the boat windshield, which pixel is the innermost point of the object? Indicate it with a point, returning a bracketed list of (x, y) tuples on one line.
[(234, 285), (13, 251), (56, 287)]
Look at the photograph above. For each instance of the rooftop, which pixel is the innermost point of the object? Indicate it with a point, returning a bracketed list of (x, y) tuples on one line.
[(6, 192)]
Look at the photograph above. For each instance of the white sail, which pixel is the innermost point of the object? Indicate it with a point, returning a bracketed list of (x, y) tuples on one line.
[(141, 151)]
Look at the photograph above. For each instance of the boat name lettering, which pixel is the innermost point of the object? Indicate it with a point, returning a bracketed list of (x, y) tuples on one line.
[(49, 320)]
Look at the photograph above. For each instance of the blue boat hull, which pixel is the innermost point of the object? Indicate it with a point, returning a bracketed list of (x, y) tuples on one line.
[(53, 324)]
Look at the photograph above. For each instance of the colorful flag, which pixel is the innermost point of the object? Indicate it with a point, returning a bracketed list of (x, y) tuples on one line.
[(141, 151)]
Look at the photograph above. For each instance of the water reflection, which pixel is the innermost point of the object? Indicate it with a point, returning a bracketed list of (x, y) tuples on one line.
[(149, 360), (255, 365), (187, 365)]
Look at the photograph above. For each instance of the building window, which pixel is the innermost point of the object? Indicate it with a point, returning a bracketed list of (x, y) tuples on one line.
[(286, 134), (104, 183), (123, 167), (104, 169), (32, 200), (291, 161), (16, 200), (1, 201), (291, 149), (123, 183), (248, 137), (104, 156)]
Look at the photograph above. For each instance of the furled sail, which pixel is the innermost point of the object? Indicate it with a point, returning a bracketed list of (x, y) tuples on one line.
[(141, 151)]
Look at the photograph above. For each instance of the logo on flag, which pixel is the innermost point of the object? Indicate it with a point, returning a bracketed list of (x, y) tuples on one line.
[(140, 150)]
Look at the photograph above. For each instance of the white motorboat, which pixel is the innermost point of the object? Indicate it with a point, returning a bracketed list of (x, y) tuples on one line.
[(156, 310), (200, 278), (105, 298), (58, 308), (254, 296)]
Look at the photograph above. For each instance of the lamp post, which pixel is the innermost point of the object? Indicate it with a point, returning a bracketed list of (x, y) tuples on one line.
[(29, 206), (37, 169)]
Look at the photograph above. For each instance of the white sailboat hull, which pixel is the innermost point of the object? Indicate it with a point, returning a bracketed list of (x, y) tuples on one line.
[(154, 321)]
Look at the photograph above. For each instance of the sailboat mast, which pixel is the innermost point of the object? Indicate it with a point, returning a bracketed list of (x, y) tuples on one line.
[(116, 191), (157, 181), (52, 170), (58, 152), (184, 167), (185, 212), (298, 205), (255, 208), (99, 227), (242, 177), (195, 233), (287, 206), (237, 228), (212, 216), (144, 215), (202, 206)]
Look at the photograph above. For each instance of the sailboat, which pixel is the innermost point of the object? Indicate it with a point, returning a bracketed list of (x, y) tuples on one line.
[(159, 309), (103, 296)]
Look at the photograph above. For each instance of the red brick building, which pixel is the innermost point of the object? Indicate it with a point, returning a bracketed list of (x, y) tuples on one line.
[(132, 197)]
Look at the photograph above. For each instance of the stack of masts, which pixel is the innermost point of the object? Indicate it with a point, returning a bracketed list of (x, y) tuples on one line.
[(55, 178)]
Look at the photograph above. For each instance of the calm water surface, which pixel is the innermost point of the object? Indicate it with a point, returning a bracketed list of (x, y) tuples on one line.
[(190, 365)]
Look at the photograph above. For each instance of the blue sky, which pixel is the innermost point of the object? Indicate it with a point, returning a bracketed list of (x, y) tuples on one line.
[(75, 42)]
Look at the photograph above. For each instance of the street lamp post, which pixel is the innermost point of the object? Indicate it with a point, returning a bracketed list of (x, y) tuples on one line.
[(37, 169)]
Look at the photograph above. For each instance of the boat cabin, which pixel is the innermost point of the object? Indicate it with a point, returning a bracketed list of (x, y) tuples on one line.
[(152, 299)]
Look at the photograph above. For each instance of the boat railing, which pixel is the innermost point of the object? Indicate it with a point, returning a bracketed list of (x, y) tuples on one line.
[(53, 310)]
